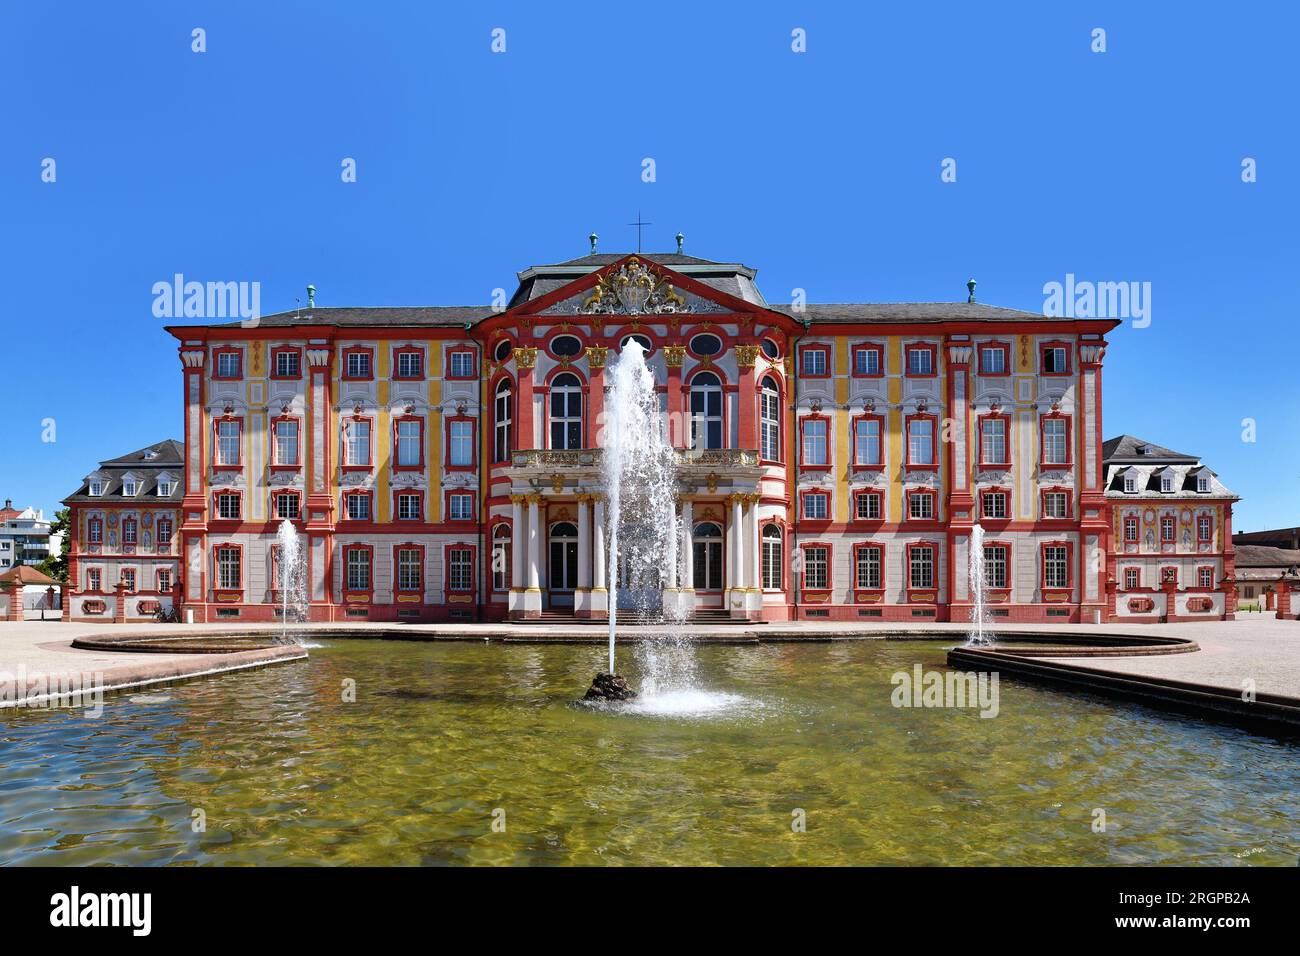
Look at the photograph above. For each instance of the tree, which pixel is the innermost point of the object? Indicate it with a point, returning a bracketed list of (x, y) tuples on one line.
[(56, 566)]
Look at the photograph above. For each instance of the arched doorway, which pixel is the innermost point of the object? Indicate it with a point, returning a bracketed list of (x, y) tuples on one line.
[(707, 561), (562, 569)]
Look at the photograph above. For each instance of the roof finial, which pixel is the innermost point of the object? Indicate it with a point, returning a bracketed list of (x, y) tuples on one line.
[(680, 240), (970, 289), (311, 296), (593, 237)]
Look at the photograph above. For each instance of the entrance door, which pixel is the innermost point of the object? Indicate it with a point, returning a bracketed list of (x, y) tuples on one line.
[(562, 571), (707, 558)]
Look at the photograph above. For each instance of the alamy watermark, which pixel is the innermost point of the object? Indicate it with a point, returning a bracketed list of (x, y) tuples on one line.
[(74, 690), (1084, 299), (181, 299), (959, 689)]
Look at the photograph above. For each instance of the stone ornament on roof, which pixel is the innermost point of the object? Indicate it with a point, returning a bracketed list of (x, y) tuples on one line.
[(633, 289)]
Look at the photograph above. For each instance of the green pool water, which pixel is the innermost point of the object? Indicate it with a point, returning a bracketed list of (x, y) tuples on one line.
[(444, 739)]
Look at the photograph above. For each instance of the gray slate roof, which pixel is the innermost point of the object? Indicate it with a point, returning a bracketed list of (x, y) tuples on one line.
[(1124, 450), (906, 313), (1260, 556), (146, 464), (442, 316)]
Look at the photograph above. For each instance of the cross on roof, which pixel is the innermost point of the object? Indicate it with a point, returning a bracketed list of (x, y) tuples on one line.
[(639, 223)]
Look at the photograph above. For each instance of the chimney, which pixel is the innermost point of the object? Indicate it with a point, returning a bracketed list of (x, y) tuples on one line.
[(970, 290)]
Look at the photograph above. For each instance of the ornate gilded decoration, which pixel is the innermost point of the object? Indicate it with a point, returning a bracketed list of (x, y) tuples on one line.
[(674, 355), (596, 355), (712, 479), (525, 356), (633, 289), (746, 355), (557, 482)]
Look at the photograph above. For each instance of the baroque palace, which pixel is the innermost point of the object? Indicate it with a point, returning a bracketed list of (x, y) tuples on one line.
[(444, 463)]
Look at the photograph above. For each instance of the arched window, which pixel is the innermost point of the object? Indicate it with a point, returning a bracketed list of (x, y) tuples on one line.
[(566, 411), (707, 543), (706, 411), (773, 558), (503, 422), (769, 416), (502, 350), (564, 556), (501, 558)]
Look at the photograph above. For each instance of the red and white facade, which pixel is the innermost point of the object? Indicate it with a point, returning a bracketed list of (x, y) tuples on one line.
[(444, 463)]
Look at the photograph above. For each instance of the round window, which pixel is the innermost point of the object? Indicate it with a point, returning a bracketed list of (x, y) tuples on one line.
[(770, 349), (706, 345), (643, 340), (566, 346), (503, 350)]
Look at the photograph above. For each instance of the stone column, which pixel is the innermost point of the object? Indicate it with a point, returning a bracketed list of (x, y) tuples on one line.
[(119, 603), (582, 595), (321, 482), (518, 556), (525, 432), (688, 548), (755, 550), (596, 355), (599, 591), (747, 396), (65, 601), (533, 593), (737, 563), (679, 431), (1283, 599), (15, 589)]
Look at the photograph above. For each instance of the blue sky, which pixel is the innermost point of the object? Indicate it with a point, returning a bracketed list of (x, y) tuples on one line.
[(820, 169)]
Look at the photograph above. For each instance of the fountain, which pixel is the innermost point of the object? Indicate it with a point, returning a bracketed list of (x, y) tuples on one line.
[(978, 636), (641, 492), (291, 578)]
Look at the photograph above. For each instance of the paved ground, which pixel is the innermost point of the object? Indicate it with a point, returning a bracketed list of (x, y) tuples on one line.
[(1256, 647)]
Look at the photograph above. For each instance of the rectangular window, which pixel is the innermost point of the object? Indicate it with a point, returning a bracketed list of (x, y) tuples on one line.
[(128, 578), (358, 444), (1205, 577), (408, 507), (130, 488), (816, 567), (461, 452), (993, 504), (1204, 529), (409, 443), (410, 364), (460, 365), (228, 506), (815, 451), (164, 532), (358, 569), (1166, 483), (227, 365), (1132, 579), (460, 569), (814, 362), (920, 361), (1056, 566), (868, 568), (1167, 529), (286, 505), (773, 558), (94, 577), (1055, 360), (228, 577), (866, 361), (770, 419), (920, 441), (1056, 504), (1131, 529), (993, 360), (816, 506), (866, 442), (358, 507), (409, 570), (920, 505), (995, 566), (993, 441), (164, 580), (286, 443), (357, 365), (164, 488), (228, 434), (1056, 449), (1130, 484), (460, 507), (868, 506), (96, 488), (96, 529), (921, 567), (1203, 483), (286, 365), (128, 531)]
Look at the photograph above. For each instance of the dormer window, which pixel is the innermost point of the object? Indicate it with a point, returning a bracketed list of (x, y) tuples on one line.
[(164, 487), (129, 487), (1167, 483), (96, 488), (1130, 484), (1202, 483)]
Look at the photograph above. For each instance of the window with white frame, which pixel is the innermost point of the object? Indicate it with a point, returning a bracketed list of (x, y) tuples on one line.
[(566, 411), (228, 505), (920, 361), (993, 504), (461, 452), (1130, 483), (867, 507), (358, 569), (358, 507), (408, 507), (920, 441), (995, 565), (866, 442), (460, 569), (501, 552), (1202, 483), (409, 432), (502, 423), (128, 578), (164, 580), (130, 487), (410, 364), (94, 578), (816, 567), (773, 558), (409, 570), (286, 443), (228, 561), (993, 360), (920, 505), (1205, 577), (1055, 360), (1056, 504), (814, 362), (921, 566), (993, 437), (358, 443), (706, 412), (228, 443), (286, 505), (357, 365), (461, 364), (165, 486), (1055, 442), (769, 409), (866, 361), (227, 365), (1132, 579), (815, 451), (460, 507), (868, 567), (96, 488), (1056, 566), (286, 364), (816, 505)]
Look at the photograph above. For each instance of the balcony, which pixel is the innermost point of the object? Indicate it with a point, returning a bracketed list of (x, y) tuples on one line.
[(584, 464)]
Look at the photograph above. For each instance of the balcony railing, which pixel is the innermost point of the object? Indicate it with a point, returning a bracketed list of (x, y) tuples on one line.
[(593, 457)]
